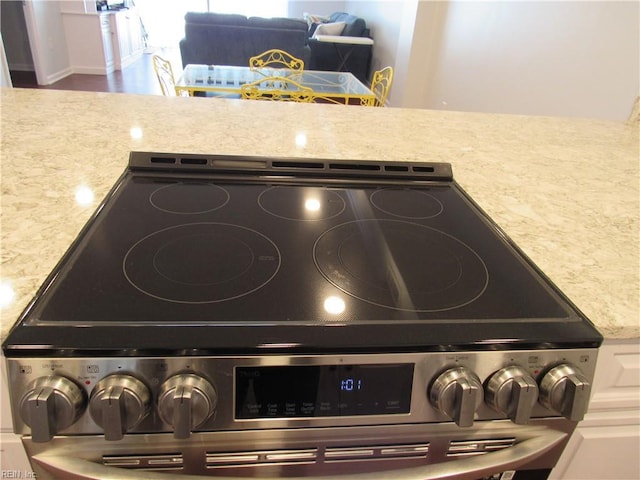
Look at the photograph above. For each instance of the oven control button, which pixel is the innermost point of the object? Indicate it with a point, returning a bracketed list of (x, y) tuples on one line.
[(514, 392), (118, 403), (50, 405), (185, 402), (566, 390), (457, 393)]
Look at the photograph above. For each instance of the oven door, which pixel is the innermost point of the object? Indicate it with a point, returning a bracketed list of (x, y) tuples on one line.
[(418, 452)]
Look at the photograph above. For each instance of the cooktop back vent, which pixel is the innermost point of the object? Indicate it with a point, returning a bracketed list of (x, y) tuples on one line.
[(293, 167)]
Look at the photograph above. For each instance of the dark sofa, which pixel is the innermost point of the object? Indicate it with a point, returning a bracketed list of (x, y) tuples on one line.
[(229, 39), (348, 53)]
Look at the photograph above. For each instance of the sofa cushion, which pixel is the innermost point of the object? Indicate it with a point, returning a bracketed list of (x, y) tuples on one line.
[(284, 23), (215, 19), (222, 39)]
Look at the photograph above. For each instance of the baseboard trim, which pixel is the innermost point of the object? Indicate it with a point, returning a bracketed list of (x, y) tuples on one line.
[(54, 77), (91, 70)]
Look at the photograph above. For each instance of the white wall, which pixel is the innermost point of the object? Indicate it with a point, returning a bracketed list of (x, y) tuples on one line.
[(385, 21), (47, 40), (537, 58), (297, 8)]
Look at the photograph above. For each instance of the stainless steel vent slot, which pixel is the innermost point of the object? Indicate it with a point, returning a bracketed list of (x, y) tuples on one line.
[(193, 161)]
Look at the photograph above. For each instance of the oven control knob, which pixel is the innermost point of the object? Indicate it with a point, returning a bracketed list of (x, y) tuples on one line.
[(118, 403), (50, 405), (514, 392), (185, 402), (566, 390), (457, 393)]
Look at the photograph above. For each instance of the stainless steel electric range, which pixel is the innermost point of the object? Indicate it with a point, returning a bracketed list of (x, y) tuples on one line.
[(248, 316)]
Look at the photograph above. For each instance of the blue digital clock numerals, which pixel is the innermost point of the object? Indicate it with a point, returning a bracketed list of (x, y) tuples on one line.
[(350, 384)]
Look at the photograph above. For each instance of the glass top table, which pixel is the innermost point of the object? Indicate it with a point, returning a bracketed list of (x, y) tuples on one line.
[(226, 81)]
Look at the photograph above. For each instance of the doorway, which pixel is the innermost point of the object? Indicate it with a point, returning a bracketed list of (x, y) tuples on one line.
[(16, 44)]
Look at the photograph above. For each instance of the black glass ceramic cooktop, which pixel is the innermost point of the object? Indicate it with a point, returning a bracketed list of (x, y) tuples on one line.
[(193, 249)]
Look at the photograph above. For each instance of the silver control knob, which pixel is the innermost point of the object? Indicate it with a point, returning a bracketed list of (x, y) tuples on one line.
[(457, 393), (50, 405), (514, 392), (566, 390), (185, 402), (118, 403)]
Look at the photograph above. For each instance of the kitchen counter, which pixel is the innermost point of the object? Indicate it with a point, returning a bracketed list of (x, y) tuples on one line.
[(565, 190)]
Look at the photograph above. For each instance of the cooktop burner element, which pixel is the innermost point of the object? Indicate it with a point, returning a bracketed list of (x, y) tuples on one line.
[(190, 198), (448, 274), (301, 203), (406, 203), (201, 263)]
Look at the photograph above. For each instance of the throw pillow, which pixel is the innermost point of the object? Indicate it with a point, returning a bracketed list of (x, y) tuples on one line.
[(329, 29), (314, 19)]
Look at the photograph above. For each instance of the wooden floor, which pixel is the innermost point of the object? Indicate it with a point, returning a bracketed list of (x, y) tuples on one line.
[(139, 77)]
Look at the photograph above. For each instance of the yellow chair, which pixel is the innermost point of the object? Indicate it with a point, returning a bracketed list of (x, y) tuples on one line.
[(381, 84), (276, 59), (277, 89), (164, 72)]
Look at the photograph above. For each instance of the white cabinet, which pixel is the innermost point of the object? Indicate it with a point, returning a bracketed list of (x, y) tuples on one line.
[(607, 441), (99, 43), (89, 42), (128, 41), (13, 458)]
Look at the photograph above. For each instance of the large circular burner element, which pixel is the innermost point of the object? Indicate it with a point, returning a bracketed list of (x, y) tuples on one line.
[(406, 203), (400, 265), (189, 198), (301, 203), (201, 263)]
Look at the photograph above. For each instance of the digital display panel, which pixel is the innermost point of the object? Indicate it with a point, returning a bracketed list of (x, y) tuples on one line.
[(323, 390)]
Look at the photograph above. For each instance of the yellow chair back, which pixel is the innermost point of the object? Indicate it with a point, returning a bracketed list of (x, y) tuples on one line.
[(164, 72), (381, 84), (277, 89), (275, 58)]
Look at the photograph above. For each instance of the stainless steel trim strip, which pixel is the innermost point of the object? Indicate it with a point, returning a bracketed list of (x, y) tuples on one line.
[(347, 452), (143, 461), (405, 450), (216, 459), (301, 455)]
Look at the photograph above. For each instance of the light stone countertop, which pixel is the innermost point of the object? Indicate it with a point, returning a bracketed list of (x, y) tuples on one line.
[(565, 190)]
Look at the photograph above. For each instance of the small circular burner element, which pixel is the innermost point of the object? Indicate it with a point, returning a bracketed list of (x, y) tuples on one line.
[(201, 263), (302, 203), (189, 198), (406, 203), (400, 265)]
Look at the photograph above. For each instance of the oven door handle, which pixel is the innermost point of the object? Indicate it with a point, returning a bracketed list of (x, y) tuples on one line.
[(471, 468)]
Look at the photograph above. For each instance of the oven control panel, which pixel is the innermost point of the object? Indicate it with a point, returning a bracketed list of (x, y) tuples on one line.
[(117, 396)]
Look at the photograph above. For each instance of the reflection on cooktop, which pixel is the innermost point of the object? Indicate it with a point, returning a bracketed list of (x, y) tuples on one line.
[(303, 203), (401, 265)]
